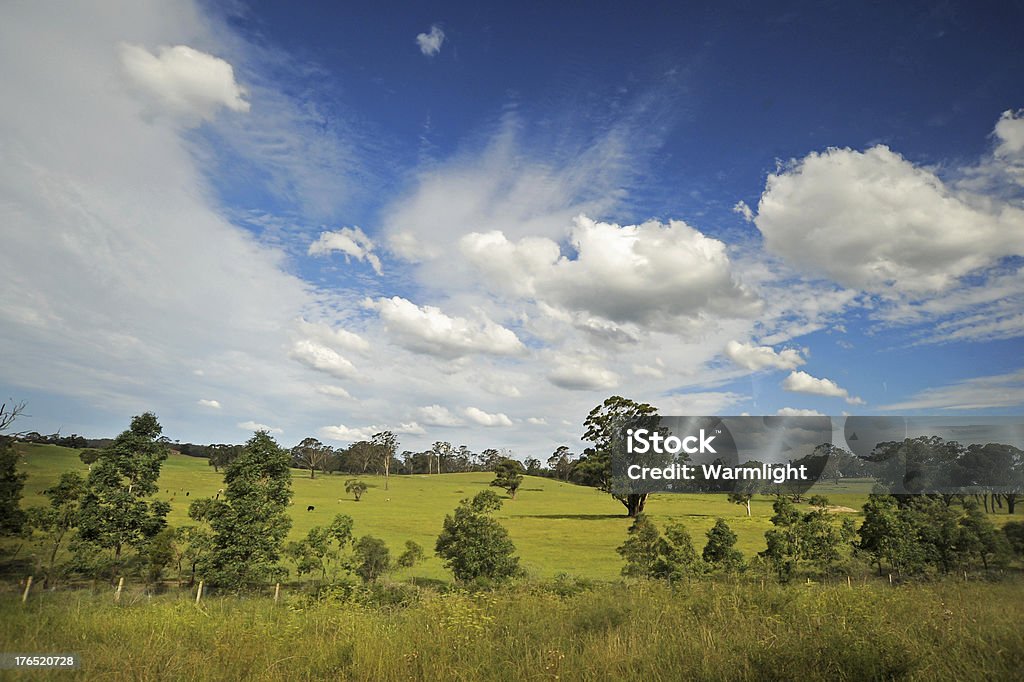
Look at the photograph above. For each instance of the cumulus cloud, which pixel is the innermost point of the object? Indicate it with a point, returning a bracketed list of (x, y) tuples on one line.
[(256, 426), (1000, 390), (1009, 132), (350, 241), (582, 375), (802, 382), (322, 358), (651, 274), (333, 391), (336, 337), (762, 357), (537, 421), (212, 404), (430, 43), (482, 418), (744, 210), (797, 412), (183, 82), (345, 434), (437, 415), (874, 221), (426, 329)]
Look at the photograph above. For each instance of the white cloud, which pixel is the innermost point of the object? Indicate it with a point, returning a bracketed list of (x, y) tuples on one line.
[(333, 391), (797, 412), (699, 403), (183, 81), (487, 419), (650, 274), (1010, 133), (1000, 390), (430, 43), (874, 221), (744, 210), (331, 336), (256, 426), (762, 357), (351, 241), (428, 330), (437, 415), (345, 434), (582, 375), (322, 358), (212, 404), (802, 382), (537, 421)]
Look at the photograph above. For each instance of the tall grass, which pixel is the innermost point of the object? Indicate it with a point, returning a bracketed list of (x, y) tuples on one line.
[(634, 631)]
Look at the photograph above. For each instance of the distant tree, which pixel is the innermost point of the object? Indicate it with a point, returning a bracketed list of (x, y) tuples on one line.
[(488, 458), (251, 521), (473, 545), (360, 456), (440, 450), (356, 488), (192, 544), (601, 428), (386, 444), (533, 467), (221, 455), (311, 454), (55, 522), (741, 498), (720, 551), (508, 474), (89, 456), (372, 558), (560, 462), (412, 555), (116, 510)]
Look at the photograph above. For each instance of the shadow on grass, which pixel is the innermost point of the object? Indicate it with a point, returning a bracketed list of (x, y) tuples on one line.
[(577, 517)]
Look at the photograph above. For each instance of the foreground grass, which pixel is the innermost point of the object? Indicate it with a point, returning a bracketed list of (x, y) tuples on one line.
[(640, 631)]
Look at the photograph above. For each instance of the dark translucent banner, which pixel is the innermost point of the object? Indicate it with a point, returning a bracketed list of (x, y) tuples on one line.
[(771, 455)]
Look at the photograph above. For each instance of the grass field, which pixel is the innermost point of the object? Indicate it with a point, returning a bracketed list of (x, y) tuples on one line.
[(627, 631), (557, 527)]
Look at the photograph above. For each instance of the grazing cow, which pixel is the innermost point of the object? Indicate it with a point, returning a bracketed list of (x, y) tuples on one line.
[(186, 494), (310, 508)]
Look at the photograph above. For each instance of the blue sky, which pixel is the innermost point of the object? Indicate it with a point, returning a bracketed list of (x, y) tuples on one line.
[(473, 223)]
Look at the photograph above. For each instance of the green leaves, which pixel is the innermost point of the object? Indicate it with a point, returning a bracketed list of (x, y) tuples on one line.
[(473, 545)]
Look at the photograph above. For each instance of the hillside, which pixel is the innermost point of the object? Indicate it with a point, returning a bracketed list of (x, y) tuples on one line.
[(557, 527)]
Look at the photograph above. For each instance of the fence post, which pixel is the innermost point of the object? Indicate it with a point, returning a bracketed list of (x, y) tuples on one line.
[(28, 586), (890, 578), (849, 582), (120, 586), (277, 591), (199, 592)]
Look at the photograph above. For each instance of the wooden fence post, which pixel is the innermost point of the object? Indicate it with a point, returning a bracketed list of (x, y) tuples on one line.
[(199, 592), (120, 586), (277, 592), (28, 586)]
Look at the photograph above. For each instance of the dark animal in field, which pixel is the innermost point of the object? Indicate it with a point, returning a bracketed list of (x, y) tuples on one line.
[(310, 508), (186, 494)]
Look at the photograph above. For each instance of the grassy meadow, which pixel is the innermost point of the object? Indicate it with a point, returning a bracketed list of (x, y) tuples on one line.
[(572, 617), (557, 527)]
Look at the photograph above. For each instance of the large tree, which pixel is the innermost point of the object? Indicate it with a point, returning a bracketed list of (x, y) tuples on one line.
[(602, 428), (250, 523), (116, 509), (311, 454), (508, 474), (386, 444)]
